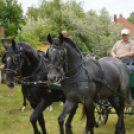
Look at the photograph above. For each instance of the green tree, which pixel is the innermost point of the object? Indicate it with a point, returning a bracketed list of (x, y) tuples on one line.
[(11, 16), (92, 31), (131, 17)]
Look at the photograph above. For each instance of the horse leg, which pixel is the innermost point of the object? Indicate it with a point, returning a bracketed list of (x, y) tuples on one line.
[(42, 123), (24, 103), (122, 106), (69, 120), (24, 98), (35, 115), (68, 106), (119, 107), (89, 110)]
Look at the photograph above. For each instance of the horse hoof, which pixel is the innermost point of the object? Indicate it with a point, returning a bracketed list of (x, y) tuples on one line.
[(123, 131), (120, 131), (23, 109), (69, 131)]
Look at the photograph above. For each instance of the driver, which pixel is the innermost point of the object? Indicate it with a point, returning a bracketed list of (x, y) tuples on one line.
[(124, 49)]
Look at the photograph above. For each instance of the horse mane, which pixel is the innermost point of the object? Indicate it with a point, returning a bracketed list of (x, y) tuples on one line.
[(41, 53), (28, 48), (71, 43)]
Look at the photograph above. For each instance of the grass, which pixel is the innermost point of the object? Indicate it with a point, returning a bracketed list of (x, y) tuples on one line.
[(13, 121)]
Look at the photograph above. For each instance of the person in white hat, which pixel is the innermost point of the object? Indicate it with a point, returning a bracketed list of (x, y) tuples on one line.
[(64, 33), (124, 48)]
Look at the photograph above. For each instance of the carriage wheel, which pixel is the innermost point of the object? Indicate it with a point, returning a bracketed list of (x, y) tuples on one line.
[(128, 111), (101, 115)]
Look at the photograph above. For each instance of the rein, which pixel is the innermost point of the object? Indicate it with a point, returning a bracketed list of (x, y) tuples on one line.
[(33, 74)]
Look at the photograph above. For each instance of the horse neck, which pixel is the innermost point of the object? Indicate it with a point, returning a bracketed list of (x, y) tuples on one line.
[(74, 59), (34, 63)]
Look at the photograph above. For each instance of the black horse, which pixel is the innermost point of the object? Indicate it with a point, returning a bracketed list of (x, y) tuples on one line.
[(88, 81), (41, 53), (24, 61)]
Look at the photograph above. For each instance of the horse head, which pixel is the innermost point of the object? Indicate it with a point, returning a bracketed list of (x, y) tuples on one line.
[(57, 57), (11, 59)]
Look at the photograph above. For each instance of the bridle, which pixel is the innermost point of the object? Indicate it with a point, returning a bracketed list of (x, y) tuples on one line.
[(17, 61), (62, 58), (17, 71)]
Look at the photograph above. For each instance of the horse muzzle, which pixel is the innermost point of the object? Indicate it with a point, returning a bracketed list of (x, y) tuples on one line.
[(11, 82), (52, 78), (11, 85)]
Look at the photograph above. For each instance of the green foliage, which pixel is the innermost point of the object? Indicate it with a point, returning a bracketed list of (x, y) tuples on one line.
[(29, 38), (92, 31), (131, 17), (11, 16)]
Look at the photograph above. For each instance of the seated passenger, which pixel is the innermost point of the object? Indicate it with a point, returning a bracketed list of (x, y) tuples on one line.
[(124, 49)]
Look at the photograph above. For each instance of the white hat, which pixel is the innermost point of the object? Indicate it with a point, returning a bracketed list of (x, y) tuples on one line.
[(125, 31)]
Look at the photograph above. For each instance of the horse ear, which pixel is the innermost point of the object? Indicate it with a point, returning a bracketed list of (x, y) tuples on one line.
[(61, 37), (13, 43), (4, 44), (49, 38)]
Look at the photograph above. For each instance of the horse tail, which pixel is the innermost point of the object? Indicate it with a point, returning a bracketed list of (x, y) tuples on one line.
[(83, 112), (129, 96)]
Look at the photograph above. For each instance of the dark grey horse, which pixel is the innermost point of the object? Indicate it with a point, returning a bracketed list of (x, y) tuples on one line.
[(80, 86), (24, 61)]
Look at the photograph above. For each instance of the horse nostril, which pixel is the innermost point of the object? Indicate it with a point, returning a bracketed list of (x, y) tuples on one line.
[(12, 84), (52, 78), (48, 77), (55, 78)]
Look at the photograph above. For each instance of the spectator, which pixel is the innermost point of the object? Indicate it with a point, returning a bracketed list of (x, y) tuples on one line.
[(10, 90), (64, 33), (1, 66)]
